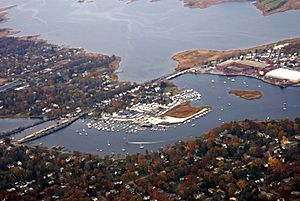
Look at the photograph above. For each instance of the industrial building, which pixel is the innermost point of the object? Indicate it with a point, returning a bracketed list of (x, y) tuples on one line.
[(284, 74)]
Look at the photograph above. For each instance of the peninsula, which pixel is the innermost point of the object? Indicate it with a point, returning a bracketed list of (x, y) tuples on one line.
[(276, 63), (59, 81), (267, 7)]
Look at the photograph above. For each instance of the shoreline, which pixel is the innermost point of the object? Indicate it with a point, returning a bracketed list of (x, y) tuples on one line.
[(247, 94), (286, 5), (230, 52), (237, 62)]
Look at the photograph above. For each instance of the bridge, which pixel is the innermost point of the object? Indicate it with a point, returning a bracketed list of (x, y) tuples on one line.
[(48, 130), (174, 75)]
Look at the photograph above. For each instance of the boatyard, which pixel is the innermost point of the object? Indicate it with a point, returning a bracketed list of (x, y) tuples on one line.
[(153, 116)]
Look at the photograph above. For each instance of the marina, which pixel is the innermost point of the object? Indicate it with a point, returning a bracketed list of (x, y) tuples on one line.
[(224, 107), (145, 35)]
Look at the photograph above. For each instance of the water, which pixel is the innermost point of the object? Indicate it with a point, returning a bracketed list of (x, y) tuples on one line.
[(11, 124), (147, 34), (214, 94)]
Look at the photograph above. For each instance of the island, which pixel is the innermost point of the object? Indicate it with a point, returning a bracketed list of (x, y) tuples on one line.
[(247, 160), (276, 63), (247, 94)]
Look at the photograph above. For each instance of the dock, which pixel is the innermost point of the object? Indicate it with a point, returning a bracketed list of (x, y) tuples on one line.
[(48, 130)]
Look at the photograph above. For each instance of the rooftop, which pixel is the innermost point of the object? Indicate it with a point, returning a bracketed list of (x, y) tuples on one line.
[(281, 73)]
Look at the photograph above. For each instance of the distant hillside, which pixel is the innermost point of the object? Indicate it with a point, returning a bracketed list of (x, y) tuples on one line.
[(237, 161)]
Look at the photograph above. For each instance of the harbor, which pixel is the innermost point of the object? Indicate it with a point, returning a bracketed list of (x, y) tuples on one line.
[(276, 103)]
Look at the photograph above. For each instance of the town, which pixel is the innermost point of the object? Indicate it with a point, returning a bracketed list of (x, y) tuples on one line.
[(245, 160), (277, 64)]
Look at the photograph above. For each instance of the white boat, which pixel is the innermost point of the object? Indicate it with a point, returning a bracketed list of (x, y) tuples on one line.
[(142, 146), (232, 80), (193, 125), (123, 149), (97, 149), (108, 144)]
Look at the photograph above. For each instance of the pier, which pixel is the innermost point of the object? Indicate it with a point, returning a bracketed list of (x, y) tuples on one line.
[(48, 130)]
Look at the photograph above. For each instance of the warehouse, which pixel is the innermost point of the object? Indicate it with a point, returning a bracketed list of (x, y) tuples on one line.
[(284, 74)]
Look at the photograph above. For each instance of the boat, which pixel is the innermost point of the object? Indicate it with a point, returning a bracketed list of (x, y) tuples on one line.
[(123, 149), (108, 144), (213, 81), (142, 146), (193, 125), (97, 149), (232, 80), (229, 104)]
